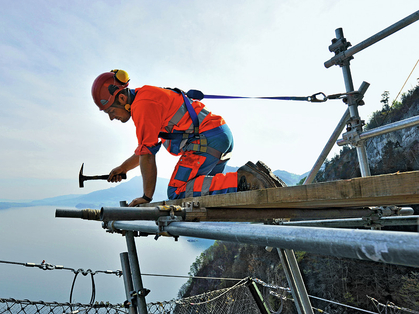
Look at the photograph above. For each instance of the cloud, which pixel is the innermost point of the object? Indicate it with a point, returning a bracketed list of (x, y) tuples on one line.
[(53, 51)]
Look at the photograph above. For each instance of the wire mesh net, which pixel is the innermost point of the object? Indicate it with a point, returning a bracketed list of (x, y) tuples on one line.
[(237, 299), (13, 306)]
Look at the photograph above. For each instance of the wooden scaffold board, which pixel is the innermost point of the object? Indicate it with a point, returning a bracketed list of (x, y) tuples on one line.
[(334, 199)]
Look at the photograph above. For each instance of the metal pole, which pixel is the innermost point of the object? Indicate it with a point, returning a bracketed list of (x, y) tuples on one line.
[(295, 281), (391, 247), (363, 160), (257, 296), (129, 287), (412, 220), (328, 147), (140, 213), (136, 274), (373, 39), (353, 110)]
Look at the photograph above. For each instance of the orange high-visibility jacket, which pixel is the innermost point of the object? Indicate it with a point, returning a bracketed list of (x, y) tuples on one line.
[(155, 110)]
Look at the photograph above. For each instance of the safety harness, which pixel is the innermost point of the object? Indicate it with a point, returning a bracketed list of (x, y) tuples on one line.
[(193, 140)]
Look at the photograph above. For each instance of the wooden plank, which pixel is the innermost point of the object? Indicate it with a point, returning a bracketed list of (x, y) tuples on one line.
[(343, 195)]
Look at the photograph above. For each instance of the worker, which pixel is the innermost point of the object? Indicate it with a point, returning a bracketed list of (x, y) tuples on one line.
[(168, 117)]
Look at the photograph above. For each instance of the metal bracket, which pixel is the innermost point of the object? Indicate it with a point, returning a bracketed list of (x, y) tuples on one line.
[(189, 206), (338, 47), (194, 211), (354, 124), (354, 129)]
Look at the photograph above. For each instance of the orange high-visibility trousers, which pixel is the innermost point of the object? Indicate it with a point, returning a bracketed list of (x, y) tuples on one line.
[(199, 174)]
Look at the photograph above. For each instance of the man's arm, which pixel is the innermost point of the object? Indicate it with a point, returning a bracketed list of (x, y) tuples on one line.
[(131, 163), (149, 172)]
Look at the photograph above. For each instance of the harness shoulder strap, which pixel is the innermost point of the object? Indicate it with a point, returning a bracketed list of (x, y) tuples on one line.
[(190, 109)]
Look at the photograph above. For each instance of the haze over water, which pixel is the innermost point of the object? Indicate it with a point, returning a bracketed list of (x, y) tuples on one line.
[(33, 234)]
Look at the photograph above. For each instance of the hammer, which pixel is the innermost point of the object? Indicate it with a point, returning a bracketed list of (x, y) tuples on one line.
[(83, 178)]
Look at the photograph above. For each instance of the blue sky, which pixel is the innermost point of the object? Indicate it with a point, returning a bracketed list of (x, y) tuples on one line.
[(52, 51)]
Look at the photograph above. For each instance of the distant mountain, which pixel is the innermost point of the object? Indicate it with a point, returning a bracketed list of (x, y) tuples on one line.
[(290, 178), (125, 191)]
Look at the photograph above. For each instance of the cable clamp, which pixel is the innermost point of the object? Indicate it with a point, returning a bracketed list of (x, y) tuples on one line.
[(141, 293)]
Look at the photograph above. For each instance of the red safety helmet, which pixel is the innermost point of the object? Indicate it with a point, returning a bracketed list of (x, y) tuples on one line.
[(107, 85)]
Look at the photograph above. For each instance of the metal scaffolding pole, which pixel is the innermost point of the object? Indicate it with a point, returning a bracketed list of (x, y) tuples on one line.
[(373, 39), (140, 292), (328, 147), (391, 247), (129, 287), (295, 281), (354, 120)]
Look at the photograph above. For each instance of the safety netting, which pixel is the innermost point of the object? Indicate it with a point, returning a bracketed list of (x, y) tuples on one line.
[(236, 299)]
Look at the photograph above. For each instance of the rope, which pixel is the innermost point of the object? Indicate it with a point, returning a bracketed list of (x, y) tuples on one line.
[(311, 98), (192, 277), (406, 81), (395, 99), (48, 266), (93, 296), (242, 282), (317, 97), (337, 303), (392, 104), (256, 280), (390, 305), (289, 290)]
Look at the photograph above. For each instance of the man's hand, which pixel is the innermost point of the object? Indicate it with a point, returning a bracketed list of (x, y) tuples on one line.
[(115, 174), (137, 201), (127, 165)]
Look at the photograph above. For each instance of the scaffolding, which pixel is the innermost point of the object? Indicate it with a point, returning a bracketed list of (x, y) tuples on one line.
[(369, 202)]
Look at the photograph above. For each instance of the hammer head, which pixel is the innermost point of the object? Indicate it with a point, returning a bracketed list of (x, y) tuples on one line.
[(81, 177)]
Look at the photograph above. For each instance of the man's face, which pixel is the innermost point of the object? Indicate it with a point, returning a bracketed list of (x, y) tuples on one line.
[(118, 114)]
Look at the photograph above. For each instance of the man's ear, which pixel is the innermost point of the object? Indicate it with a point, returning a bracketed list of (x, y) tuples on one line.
[(122, 99)]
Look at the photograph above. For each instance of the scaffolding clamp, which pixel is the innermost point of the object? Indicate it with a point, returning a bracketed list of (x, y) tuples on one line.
[(162, 223), (173, 210), (353, 133)]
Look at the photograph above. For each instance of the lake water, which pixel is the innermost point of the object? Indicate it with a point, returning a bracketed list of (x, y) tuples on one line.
[(33, 234)]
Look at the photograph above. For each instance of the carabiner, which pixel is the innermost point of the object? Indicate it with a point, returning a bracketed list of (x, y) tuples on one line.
[(313, 97)]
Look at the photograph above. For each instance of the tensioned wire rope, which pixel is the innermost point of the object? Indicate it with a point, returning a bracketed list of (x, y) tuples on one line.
[(48, 266), (393, 103), (401, 89)]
